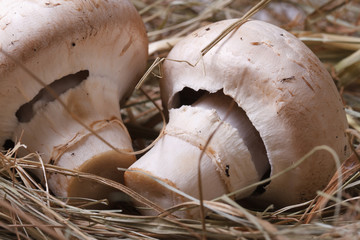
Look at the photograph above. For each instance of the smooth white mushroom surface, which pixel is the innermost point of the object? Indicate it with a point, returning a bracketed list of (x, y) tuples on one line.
[(91, 53), (284, 103)]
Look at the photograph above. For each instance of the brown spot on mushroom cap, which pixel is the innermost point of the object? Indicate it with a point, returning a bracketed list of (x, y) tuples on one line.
[(308, 84), (127, 45)]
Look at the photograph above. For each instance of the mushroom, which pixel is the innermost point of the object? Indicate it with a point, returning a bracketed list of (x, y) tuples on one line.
[(268, 100), (91, 54)]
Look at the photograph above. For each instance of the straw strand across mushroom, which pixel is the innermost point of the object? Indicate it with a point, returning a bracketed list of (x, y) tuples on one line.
[(268, 100)]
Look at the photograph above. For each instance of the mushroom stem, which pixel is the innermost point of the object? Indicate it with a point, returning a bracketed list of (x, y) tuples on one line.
[(75, 147), (229, 112), (174, 159), (89, 154)]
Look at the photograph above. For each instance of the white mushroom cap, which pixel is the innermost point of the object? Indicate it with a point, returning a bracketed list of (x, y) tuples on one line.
[(104, 44), (286, 93)]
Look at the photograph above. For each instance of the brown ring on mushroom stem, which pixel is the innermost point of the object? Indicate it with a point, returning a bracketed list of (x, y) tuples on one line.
[(98, 52)]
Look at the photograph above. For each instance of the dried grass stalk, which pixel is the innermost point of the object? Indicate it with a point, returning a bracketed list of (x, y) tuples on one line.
[(29, 211)]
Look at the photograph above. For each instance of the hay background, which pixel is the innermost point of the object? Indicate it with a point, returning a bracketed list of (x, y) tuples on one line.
[(331, 28)]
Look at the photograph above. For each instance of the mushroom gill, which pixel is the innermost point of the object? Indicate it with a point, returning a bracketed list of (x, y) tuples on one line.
[(27, 111)]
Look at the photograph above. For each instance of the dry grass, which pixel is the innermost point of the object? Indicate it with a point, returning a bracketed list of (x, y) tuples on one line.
[(331, 28)]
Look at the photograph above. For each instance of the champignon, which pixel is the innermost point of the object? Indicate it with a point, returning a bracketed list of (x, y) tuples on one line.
[(284, 103), (91, 53)]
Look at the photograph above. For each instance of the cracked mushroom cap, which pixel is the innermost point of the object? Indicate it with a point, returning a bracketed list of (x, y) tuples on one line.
[(92, 54), (283, 88)]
